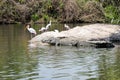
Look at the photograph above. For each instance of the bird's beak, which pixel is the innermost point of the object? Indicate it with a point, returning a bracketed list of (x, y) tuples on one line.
[(25, 28)]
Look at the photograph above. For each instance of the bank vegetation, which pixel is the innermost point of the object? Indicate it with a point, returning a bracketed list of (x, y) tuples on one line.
[(92, 11)]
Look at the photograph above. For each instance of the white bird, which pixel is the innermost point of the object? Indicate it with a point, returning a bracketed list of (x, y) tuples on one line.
[(66, 27), (31, 30), (56, 31), (48, 25), (43, 29)]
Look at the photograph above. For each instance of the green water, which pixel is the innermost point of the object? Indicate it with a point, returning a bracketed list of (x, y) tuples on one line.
[(18, 61)]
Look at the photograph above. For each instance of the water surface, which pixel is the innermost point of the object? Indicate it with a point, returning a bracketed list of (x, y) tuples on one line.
[(18, 61)]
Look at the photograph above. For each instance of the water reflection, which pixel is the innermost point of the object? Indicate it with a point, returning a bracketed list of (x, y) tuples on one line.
[(68, 63), (18, 61), (109, 66)]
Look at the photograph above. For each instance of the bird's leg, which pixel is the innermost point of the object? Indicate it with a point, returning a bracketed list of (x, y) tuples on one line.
[(31, 36)]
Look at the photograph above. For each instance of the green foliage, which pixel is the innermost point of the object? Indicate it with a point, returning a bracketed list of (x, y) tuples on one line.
[(111, 10), (45, 17), (21, 1), (61, 5), (112, 14), (81, 2), (35, 17), (62, 10), (51, 8), (47, 5)]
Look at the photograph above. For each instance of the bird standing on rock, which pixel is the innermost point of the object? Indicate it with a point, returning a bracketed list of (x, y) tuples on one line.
[(57, 31), (48, 25), (43, 29), (66, 27)]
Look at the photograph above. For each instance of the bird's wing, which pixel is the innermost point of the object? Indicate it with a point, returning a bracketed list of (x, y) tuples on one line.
[(42, 29), (32, 30)]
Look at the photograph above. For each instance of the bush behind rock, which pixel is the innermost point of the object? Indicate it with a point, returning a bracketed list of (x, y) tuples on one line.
[(23, 11)]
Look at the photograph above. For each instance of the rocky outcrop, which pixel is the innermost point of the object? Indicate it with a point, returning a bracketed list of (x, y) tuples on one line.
[(96, 35)]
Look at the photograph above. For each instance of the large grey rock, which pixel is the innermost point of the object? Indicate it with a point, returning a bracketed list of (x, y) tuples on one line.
[(97, 35)]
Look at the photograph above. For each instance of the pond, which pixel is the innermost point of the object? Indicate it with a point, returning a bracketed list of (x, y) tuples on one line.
[(18, 61)]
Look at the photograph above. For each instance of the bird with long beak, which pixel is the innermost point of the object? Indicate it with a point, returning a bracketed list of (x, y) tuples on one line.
[(44, 29), (31, 30), (48, 25)]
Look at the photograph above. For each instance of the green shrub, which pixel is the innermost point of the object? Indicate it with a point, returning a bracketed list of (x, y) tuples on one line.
[(45, 17), (21, 1), (112, 14), (35, 17)]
